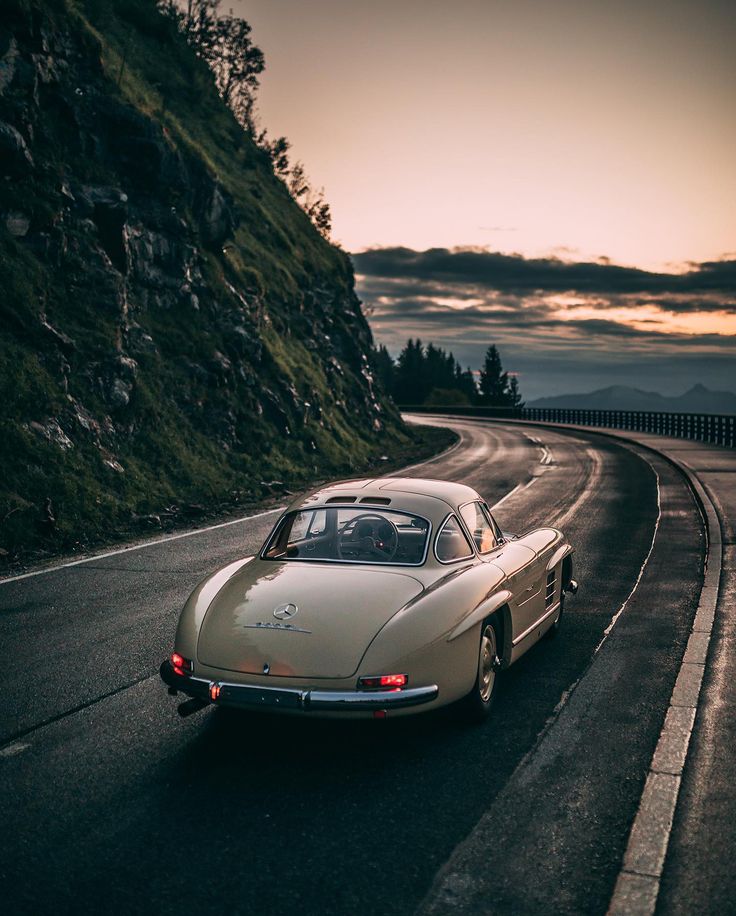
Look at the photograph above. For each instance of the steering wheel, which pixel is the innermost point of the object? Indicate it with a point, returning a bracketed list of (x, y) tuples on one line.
[(368, 535)]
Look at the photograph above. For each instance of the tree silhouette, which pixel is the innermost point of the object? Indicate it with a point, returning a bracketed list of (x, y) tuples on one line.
[(513, 394), (224, 42), (493, 380), (430, 375)]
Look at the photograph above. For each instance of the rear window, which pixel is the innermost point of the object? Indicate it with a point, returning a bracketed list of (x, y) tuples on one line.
[(354, 534)]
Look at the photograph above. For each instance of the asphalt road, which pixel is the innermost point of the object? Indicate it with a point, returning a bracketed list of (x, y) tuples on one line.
[(110, 801)]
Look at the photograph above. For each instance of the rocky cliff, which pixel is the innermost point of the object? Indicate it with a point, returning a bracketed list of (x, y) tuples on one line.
[(173, 330)]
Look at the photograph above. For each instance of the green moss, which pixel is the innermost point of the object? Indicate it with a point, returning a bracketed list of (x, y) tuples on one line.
[(193, 431)]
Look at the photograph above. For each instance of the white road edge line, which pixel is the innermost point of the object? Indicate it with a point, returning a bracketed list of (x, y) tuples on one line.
[(562, 702), (590, 484), (638, 884), (503, 499), (185, 534), (113, 553), (619, 612)]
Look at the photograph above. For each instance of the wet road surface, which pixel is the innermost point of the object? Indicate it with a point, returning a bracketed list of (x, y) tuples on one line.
[(111, 801)]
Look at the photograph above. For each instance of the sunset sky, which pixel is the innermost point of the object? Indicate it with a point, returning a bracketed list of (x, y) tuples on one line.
[(557, 139)]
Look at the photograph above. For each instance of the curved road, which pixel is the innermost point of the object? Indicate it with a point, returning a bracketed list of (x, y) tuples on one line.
[(111, 801)]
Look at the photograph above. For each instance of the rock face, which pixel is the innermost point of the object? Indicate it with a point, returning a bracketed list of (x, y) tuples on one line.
[(172, 328)]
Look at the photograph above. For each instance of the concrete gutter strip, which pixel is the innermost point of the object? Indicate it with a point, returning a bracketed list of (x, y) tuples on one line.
[(637, 887)]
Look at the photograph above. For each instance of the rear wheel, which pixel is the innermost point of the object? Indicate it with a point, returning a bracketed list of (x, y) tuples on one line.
[(479, 702)]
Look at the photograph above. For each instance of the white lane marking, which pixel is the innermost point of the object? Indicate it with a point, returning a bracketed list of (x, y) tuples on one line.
[(507, 496), (562, 702), (163, 540), (585, 493), (620, 611), (416, 420), (12, 749)]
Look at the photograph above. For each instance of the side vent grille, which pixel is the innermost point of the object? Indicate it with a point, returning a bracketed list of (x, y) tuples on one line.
[(549, 597)]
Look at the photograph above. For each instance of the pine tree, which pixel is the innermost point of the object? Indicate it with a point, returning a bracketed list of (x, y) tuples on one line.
[(465, 382), (514, 395), (493, 380), (385, 370), (411, 385)]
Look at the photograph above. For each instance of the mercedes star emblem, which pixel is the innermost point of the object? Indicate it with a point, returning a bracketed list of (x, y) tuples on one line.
[(285, 611)]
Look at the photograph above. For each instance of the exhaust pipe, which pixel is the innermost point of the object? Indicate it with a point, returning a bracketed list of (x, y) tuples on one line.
[(189, 707), (572, 587)]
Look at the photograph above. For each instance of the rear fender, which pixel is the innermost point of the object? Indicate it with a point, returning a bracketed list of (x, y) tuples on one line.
[(480, 613), (433, 639), (193, 613)]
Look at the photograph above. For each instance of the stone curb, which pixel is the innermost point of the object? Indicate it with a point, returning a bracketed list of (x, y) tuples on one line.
[(637, 887)]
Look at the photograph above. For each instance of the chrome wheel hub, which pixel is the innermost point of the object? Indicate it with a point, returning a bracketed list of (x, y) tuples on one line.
[(487, 664)]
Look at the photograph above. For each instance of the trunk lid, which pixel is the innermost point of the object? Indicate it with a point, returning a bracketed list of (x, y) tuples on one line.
[(339, 609)]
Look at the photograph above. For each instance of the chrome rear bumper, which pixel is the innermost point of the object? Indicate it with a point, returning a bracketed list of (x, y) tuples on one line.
[(249, 696)]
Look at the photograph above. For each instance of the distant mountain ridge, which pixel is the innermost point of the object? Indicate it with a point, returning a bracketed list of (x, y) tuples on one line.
[(697, 399)]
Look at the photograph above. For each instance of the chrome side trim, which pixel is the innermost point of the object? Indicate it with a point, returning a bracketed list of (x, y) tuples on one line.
[(536, 623)]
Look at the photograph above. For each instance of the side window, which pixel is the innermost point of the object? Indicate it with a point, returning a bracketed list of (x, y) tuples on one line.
[(318, 525), (494, 524), (300, 526), (452, 544), (479, 526)]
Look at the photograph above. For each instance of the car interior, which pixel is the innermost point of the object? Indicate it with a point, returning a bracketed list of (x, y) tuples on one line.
[(358, 535)]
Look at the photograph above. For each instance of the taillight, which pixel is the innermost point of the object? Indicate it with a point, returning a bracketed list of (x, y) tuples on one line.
[(180, 664), (387, 681)]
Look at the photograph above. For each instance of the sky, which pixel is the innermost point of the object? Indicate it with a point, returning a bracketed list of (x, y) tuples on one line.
[(462, 143)]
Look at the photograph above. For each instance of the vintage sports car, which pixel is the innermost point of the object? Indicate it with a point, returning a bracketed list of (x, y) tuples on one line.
[(371, 598)]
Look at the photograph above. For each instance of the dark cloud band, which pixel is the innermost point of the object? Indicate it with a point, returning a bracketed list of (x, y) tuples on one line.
[(516, 274)]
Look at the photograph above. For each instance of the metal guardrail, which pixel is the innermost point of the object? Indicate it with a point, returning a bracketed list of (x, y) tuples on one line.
[(718, 429)]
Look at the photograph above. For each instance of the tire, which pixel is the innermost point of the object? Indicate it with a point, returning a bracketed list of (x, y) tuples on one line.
[(555, 628), (477, 705)]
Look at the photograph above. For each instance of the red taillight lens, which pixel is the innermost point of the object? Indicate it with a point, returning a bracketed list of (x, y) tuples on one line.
[(387, 681), (180, 664), (214, 692)]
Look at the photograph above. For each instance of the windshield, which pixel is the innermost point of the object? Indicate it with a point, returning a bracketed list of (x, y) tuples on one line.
[(349, 535)]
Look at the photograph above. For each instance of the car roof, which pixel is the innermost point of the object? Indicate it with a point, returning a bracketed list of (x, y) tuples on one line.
[(424, 496)]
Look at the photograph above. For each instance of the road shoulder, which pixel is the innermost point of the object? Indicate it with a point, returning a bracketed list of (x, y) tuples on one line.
[(570, 804)]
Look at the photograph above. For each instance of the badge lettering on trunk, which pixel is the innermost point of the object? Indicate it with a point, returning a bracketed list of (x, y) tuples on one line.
[(285, 611), (288, 627)]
